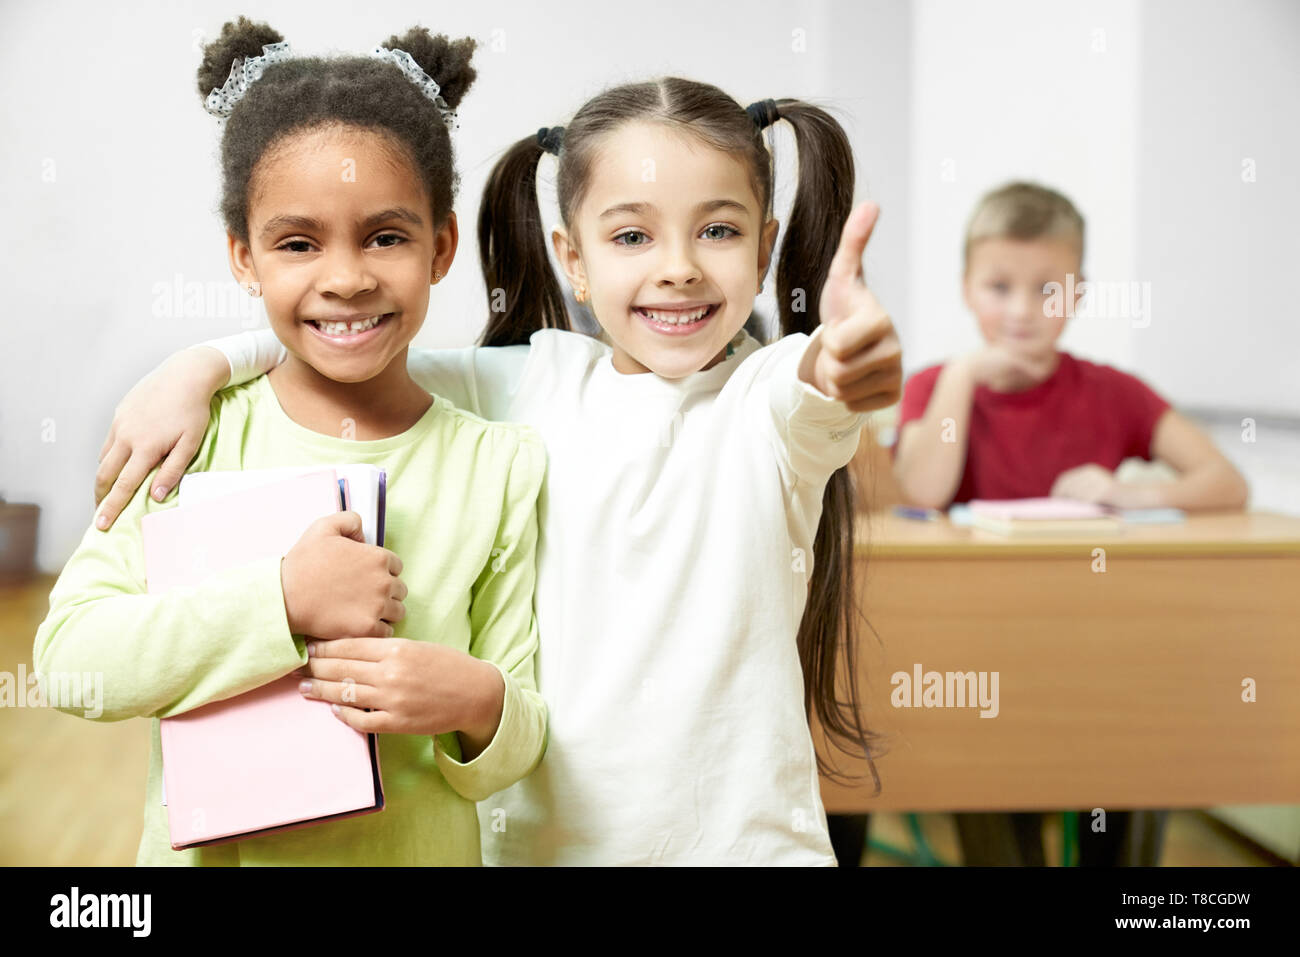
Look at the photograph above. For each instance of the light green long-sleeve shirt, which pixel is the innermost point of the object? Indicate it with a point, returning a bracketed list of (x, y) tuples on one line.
[(461, 514)]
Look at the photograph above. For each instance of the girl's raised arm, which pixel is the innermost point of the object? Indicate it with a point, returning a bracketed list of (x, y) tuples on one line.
[(852, 364), (166, 413)]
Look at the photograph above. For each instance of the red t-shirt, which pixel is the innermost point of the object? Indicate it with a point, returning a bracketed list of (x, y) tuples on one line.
[(1021, 441)]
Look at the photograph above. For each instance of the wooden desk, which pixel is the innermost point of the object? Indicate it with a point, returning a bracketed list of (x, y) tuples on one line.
[(1117, 689)]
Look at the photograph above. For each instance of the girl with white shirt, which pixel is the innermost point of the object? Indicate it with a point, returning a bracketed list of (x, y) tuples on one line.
[(695, 600)]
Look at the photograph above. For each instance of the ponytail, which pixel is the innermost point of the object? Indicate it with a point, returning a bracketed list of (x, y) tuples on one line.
[(823, 200), (523, 293), (828, 632)]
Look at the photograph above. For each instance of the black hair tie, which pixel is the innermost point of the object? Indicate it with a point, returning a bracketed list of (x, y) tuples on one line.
[(551, 138), (764, 113)]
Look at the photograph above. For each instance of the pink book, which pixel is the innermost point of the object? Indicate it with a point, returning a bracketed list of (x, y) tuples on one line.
[(1036, 509), (1041, 516), (269, 759)]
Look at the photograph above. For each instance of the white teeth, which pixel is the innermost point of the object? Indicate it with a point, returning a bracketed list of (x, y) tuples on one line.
[(348, 328), (677, 318)]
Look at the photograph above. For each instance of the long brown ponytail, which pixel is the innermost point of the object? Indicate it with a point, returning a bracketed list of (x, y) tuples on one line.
[(523, 292), (829, 630), (525, 296)]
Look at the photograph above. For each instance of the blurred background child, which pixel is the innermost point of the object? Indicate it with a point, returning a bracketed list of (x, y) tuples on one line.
[(1017, 418)]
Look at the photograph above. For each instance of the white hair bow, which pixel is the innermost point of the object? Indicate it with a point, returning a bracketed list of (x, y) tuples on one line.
[(244, 73)]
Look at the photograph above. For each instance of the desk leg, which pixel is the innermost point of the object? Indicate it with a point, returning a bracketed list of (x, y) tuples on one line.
[(1001, 840), (848, 833)]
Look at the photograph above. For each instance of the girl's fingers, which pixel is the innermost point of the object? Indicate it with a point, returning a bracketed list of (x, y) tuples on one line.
[(132, 476), (358, 649), (346, 692), (868, 324), (883, 356), (872, 401), (174, 466), (883, 384), (110, 466), (338, 669), (369, 722), (108, 442), (394, 610), (399, 590)]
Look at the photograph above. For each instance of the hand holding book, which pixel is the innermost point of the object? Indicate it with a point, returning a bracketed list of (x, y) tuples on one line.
[(336, 586), (399, 686), (267, 760)]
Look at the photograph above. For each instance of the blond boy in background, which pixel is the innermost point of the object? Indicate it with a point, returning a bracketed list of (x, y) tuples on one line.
[(1017, 418)]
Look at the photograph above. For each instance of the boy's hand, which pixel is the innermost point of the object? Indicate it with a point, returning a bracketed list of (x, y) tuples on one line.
[(335, 585), (859, 360), (411, 687), (1087, 483), (164, 415), (1003, 369)]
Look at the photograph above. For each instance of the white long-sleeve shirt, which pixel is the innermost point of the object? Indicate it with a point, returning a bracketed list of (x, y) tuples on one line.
[(675, 551)]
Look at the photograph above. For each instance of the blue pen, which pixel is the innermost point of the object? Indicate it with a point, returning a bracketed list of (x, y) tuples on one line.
[(920, 514)]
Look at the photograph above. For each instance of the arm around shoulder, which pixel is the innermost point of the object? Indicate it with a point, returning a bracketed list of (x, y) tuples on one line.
[(248, 354), (163, 417)]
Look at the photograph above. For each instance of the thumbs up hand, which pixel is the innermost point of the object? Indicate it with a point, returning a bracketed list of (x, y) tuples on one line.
[(860, 360)]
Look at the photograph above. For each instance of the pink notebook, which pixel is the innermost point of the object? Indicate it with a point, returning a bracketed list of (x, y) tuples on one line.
[(1041, 516), (269, 759), (1036, 509)]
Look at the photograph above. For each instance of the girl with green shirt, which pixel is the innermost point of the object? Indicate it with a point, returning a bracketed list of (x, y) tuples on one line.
[(343, 263)]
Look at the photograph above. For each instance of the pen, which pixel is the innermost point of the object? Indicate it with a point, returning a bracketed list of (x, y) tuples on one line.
[(921, 514)]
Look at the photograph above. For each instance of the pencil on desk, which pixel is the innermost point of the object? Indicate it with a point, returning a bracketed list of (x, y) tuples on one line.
[(921, 514)]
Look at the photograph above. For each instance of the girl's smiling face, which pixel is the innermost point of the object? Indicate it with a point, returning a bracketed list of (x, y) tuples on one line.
[(670, 241), (343, 244)]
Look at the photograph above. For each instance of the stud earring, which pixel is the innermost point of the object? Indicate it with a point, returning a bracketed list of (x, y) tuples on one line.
[(254, 289), (437, 275), (580, 295)]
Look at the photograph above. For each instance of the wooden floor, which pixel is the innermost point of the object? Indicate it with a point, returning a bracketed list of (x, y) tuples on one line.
[(72, 791)]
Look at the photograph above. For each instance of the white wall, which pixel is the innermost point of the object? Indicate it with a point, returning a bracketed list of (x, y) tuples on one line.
[(1019, 89), (1173, 127), (1152, 117), (1218, 203), (108, 178)]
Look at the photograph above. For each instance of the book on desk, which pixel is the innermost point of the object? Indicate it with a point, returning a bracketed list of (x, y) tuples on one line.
[(1052, 516)]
